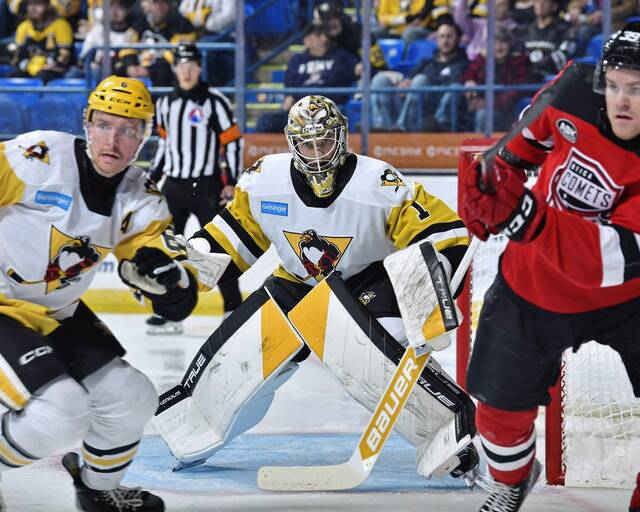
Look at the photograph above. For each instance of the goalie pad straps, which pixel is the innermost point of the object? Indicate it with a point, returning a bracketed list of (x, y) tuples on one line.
[(363, 356), (219, 393)]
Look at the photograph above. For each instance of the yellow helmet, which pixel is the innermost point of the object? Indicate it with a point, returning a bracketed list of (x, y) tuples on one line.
[(121, 96)]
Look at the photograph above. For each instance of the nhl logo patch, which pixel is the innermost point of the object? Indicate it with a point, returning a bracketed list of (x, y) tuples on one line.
[(568, 130), (582, 185)]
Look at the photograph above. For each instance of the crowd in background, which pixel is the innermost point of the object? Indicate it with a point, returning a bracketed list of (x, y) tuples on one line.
[(533, 41)]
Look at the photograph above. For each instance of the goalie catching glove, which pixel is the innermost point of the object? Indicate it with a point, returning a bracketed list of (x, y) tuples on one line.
[(165, 281), (500, 202)]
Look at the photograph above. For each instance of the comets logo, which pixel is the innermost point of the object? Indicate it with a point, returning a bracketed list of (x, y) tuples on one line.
[(319, 254)]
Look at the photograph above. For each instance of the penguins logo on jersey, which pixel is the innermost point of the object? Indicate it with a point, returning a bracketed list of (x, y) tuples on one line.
[(151, 188), (39, 151), (256, 167), (319, 254), (581, 184), (366, 297), (390, 178), (69, 257)]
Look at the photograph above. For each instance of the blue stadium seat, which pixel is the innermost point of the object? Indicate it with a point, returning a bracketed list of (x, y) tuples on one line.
[(12, 118), (24, 98), (5, 69), (419, 50), (594, 48), (277, 76), (392, 50), (277, 19), (353, 111), (56, 114), (521, 105), (75, 97)]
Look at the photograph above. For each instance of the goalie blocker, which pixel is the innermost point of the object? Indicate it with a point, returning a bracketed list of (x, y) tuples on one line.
[(253, 357)]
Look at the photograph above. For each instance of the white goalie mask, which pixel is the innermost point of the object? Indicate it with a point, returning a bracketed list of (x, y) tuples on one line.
[(316, 133)]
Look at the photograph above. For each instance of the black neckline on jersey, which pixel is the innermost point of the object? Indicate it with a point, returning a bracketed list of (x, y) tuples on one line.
[(306, 195), (98, 192), (198, 94)]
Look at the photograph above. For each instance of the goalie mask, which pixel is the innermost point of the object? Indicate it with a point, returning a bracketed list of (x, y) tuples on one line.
[(316, 133), (621, 51)]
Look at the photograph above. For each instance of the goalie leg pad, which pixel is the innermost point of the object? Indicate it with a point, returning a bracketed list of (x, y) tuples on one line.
[(363, 356), (239, 367)]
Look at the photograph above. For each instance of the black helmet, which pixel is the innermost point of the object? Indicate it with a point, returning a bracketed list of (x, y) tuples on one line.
[(622, 50), (186, 52)]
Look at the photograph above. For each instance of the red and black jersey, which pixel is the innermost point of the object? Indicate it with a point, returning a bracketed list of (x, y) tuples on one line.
[(587, 255)]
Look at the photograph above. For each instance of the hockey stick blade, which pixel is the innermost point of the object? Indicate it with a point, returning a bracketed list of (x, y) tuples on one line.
[(357, 469)]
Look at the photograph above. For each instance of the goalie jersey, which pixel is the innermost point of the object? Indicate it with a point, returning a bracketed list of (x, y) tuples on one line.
[(373, 212), (57, 224)]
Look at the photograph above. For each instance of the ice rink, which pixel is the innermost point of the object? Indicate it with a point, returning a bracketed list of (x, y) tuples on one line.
[(312, 421)]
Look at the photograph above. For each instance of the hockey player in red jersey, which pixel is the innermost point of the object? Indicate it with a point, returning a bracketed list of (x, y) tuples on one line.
[(570, 271)]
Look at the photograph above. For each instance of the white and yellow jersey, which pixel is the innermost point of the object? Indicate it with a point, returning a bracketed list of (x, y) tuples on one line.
[(373, 212), (58, 222)]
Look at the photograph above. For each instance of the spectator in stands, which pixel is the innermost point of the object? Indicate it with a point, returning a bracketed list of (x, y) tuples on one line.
[(121, 13), (418, 111), (212, 18), (522, 11), (511, 68), (471, 17), (43, 42), (409, 19), (547, 40), (163, 24), (346, 34), (320, 65), (8, 19)]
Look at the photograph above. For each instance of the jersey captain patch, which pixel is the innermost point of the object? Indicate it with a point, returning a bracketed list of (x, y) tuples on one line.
[(582, 185), (319, 254)]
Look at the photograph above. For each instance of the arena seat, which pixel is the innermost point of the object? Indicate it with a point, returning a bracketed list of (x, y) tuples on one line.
[(12, 118), (24, 98), (419, 50), (392, 50), (56, 114)]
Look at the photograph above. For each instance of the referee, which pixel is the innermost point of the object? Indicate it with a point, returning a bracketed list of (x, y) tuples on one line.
[(198, 158)]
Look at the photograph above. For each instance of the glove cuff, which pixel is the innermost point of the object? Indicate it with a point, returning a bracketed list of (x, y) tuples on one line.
[(526, 221)]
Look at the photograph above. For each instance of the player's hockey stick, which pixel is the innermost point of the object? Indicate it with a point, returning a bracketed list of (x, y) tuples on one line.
[(356, 470)]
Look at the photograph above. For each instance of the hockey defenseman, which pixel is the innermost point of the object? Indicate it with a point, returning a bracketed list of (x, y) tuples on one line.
[(323, 209), (64, 205), (570, 271)]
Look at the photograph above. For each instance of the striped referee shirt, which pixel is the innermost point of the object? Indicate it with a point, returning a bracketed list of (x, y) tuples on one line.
[(195, 127)]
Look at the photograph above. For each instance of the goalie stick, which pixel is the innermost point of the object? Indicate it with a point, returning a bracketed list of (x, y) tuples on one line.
[(352, 473), (356, 470)]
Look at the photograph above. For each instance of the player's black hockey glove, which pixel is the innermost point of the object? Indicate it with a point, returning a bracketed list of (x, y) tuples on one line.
[(166, 282)]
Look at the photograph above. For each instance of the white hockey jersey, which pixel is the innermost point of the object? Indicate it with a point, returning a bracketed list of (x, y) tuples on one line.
[(374, 211), (56, 228)]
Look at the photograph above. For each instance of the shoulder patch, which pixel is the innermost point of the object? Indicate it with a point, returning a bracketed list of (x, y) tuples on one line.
[(39, 151), (567, 129), (390, 178)]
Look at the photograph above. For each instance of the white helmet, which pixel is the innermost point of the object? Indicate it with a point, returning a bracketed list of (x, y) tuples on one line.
[(316, 132)]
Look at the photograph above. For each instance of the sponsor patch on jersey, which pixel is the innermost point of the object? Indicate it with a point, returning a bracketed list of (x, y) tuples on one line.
[(39, 151), (273, 208), (582, 185), (567, 129), (54, 199)]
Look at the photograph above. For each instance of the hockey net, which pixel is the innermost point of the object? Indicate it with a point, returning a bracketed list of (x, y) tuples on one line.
[(592, 427)]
